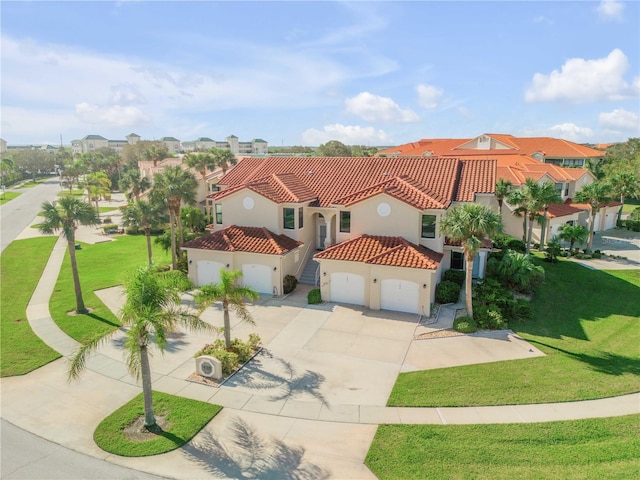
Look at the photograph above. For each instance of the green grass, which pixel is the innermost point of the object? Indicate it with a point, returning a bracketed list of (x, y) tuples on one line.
[(587, 322), (108, 209), (187, 417), (21, 266), (74, 192), (31, 183), (630, 204), (6, 196), (100, 266), (578, 449)]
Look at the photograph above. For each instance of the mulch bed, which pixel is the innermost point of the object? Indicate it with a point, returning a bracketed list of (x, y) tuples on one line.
[(448, 332)]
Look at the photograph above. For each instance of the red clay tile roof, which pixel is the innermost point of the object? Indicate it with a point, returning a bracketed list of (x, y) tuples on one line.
[(279, 188), (379, 250), (332, 179), (562, 209), (245, 239)]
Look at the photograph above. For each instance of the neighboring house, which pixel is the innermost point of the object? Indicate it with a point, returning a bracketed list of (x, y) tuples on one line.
[(370, 223), (91, 143), (539, 158), (3, 146)]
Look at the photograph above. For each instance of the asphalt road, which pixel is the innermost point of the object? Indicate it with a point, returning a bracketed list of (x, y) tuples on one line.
[(18, 213), (22, 454)]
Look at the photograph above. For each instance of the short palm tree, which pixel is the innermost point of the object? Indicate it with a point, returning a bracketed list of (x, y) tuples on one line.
[(597, 195), (223, 159), (503, 189), (202, 162), (145, 215), (470, 224), (572, 234), (547, 195), (151, 311), (625, 185), (178, 186), (67, 215), (232, 297), (134, 184), (98, 186)]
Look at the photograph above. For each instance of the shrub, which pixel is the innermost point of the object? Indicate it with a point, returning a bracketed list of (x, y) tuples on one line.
[(522, 310), (596, 254), (491, 292), (447, 292), (553, 250), (177, 278), (106, 220), (517, 245), (456, 276), (489, 316), (239, 352), (517, 271), (289, 284), (501, 240), (465, 325), (110, 226), (314, 297)]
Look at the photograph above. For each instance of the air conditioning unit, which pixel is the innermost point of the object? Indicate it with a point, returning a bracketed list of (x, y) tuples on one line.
[(209, 366)]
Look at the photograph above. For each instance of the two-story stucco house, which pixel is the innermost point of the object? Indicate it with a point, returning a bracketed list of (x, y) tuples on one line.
[(370, 223)]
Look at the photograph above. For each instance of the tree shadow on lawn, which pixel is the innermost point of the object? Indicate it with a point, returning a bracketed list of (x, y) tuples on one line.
[(572, 294), (102, 319), (249, 455), (607, 362)]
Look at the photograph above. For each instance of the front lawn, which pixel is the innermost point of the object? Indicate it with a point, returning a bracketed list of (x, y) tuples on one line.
[(21, 266), (578, 449), (100, 266), (185, 419), (587, 322)]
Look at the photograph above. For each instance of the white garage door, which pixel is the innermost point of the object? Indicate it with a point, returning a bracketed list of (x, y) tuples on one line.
[(347, 288), (208, 272), (400, 296), (257, 277), (610, 221)]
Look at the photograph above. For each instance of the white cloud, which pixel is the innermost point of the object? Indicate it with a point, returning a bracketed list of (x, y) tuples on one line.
[(582, 81), (543, 19), (374, 108), (621, 120), (347, 134), (429, 96), (572, 132), (114, 115), (610, 10)]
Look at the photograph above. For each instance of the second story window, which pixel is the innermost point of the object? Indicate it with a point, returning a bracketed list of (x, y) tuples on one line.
[(345, 222), (300, 217), (218, 214), (428, 226), (289, 218)]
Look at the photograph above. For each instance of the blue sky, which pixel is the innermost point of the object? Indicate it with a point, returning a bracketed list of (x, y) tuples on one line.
[(304, 73)]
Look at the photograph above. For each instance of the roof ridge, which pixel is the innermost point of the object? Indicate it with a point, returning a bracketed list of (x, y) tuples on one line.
[(272, 240), (227, 239), (424, 190)]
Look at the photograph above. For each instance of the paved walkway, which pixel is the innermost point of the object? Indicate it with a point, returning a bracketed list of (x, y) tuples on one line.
[(44, 403)]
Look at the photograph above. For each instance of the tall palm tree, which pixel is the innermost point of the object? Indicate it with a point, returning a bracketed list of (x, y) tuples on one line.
[(503, 189), (526, 199), (177, 186), (547, 195), (624, 185), (470, 224), (145, 215), (573, 234), (596, 194), (202, 162), (223, 159), (67, 215), (232, 297), (152, 310), (134, 184), (98, 186)]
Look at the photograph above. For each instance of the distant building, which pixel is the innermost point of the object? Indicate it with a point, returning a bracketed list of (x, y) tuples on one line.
[(173, 144), (256, 146)]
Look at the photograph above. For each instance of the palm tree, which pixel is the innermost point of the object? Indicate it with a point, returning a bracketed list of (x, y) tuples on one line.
[(98, 186), (67, 215), (152, 310), (177, 186), (547, 195), (596, 194), (145, 215), (572, 234), (470, 224), (223, 159), (232, 297), (201, 161), (624, 185), (526, 199), (503, 189), (134, 184)]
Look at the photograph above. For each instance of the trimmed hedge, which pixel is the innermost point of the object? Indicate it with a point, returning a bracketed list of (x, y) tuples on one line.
[(465, 325), (314, 297), (447, 292)]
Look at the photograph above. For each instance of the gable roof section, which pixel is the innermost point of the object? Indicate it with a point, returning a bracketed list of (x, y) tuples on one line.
[(562, 209), (380, 250), (332, 179), (279, 188), (245, 239), (403, 188)]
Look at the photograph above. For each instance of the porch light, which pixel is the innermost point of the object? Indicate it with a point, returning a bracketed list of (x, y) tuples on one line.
[(424, 285), (324, 274), (375, 280), (227, 265), (275, 268)]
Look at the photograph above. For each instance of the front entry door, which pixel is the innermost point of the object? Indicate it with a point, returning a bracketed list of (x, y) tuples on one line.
[(322, 232)]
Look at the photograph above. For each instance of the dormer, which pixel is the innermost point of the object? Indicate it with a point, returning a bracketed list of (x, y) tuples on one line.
[(486, 142)]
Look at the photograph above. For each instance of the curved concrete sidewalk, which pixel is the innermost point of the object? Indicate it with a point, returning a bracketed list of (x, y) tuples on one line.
[(333, 438)]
